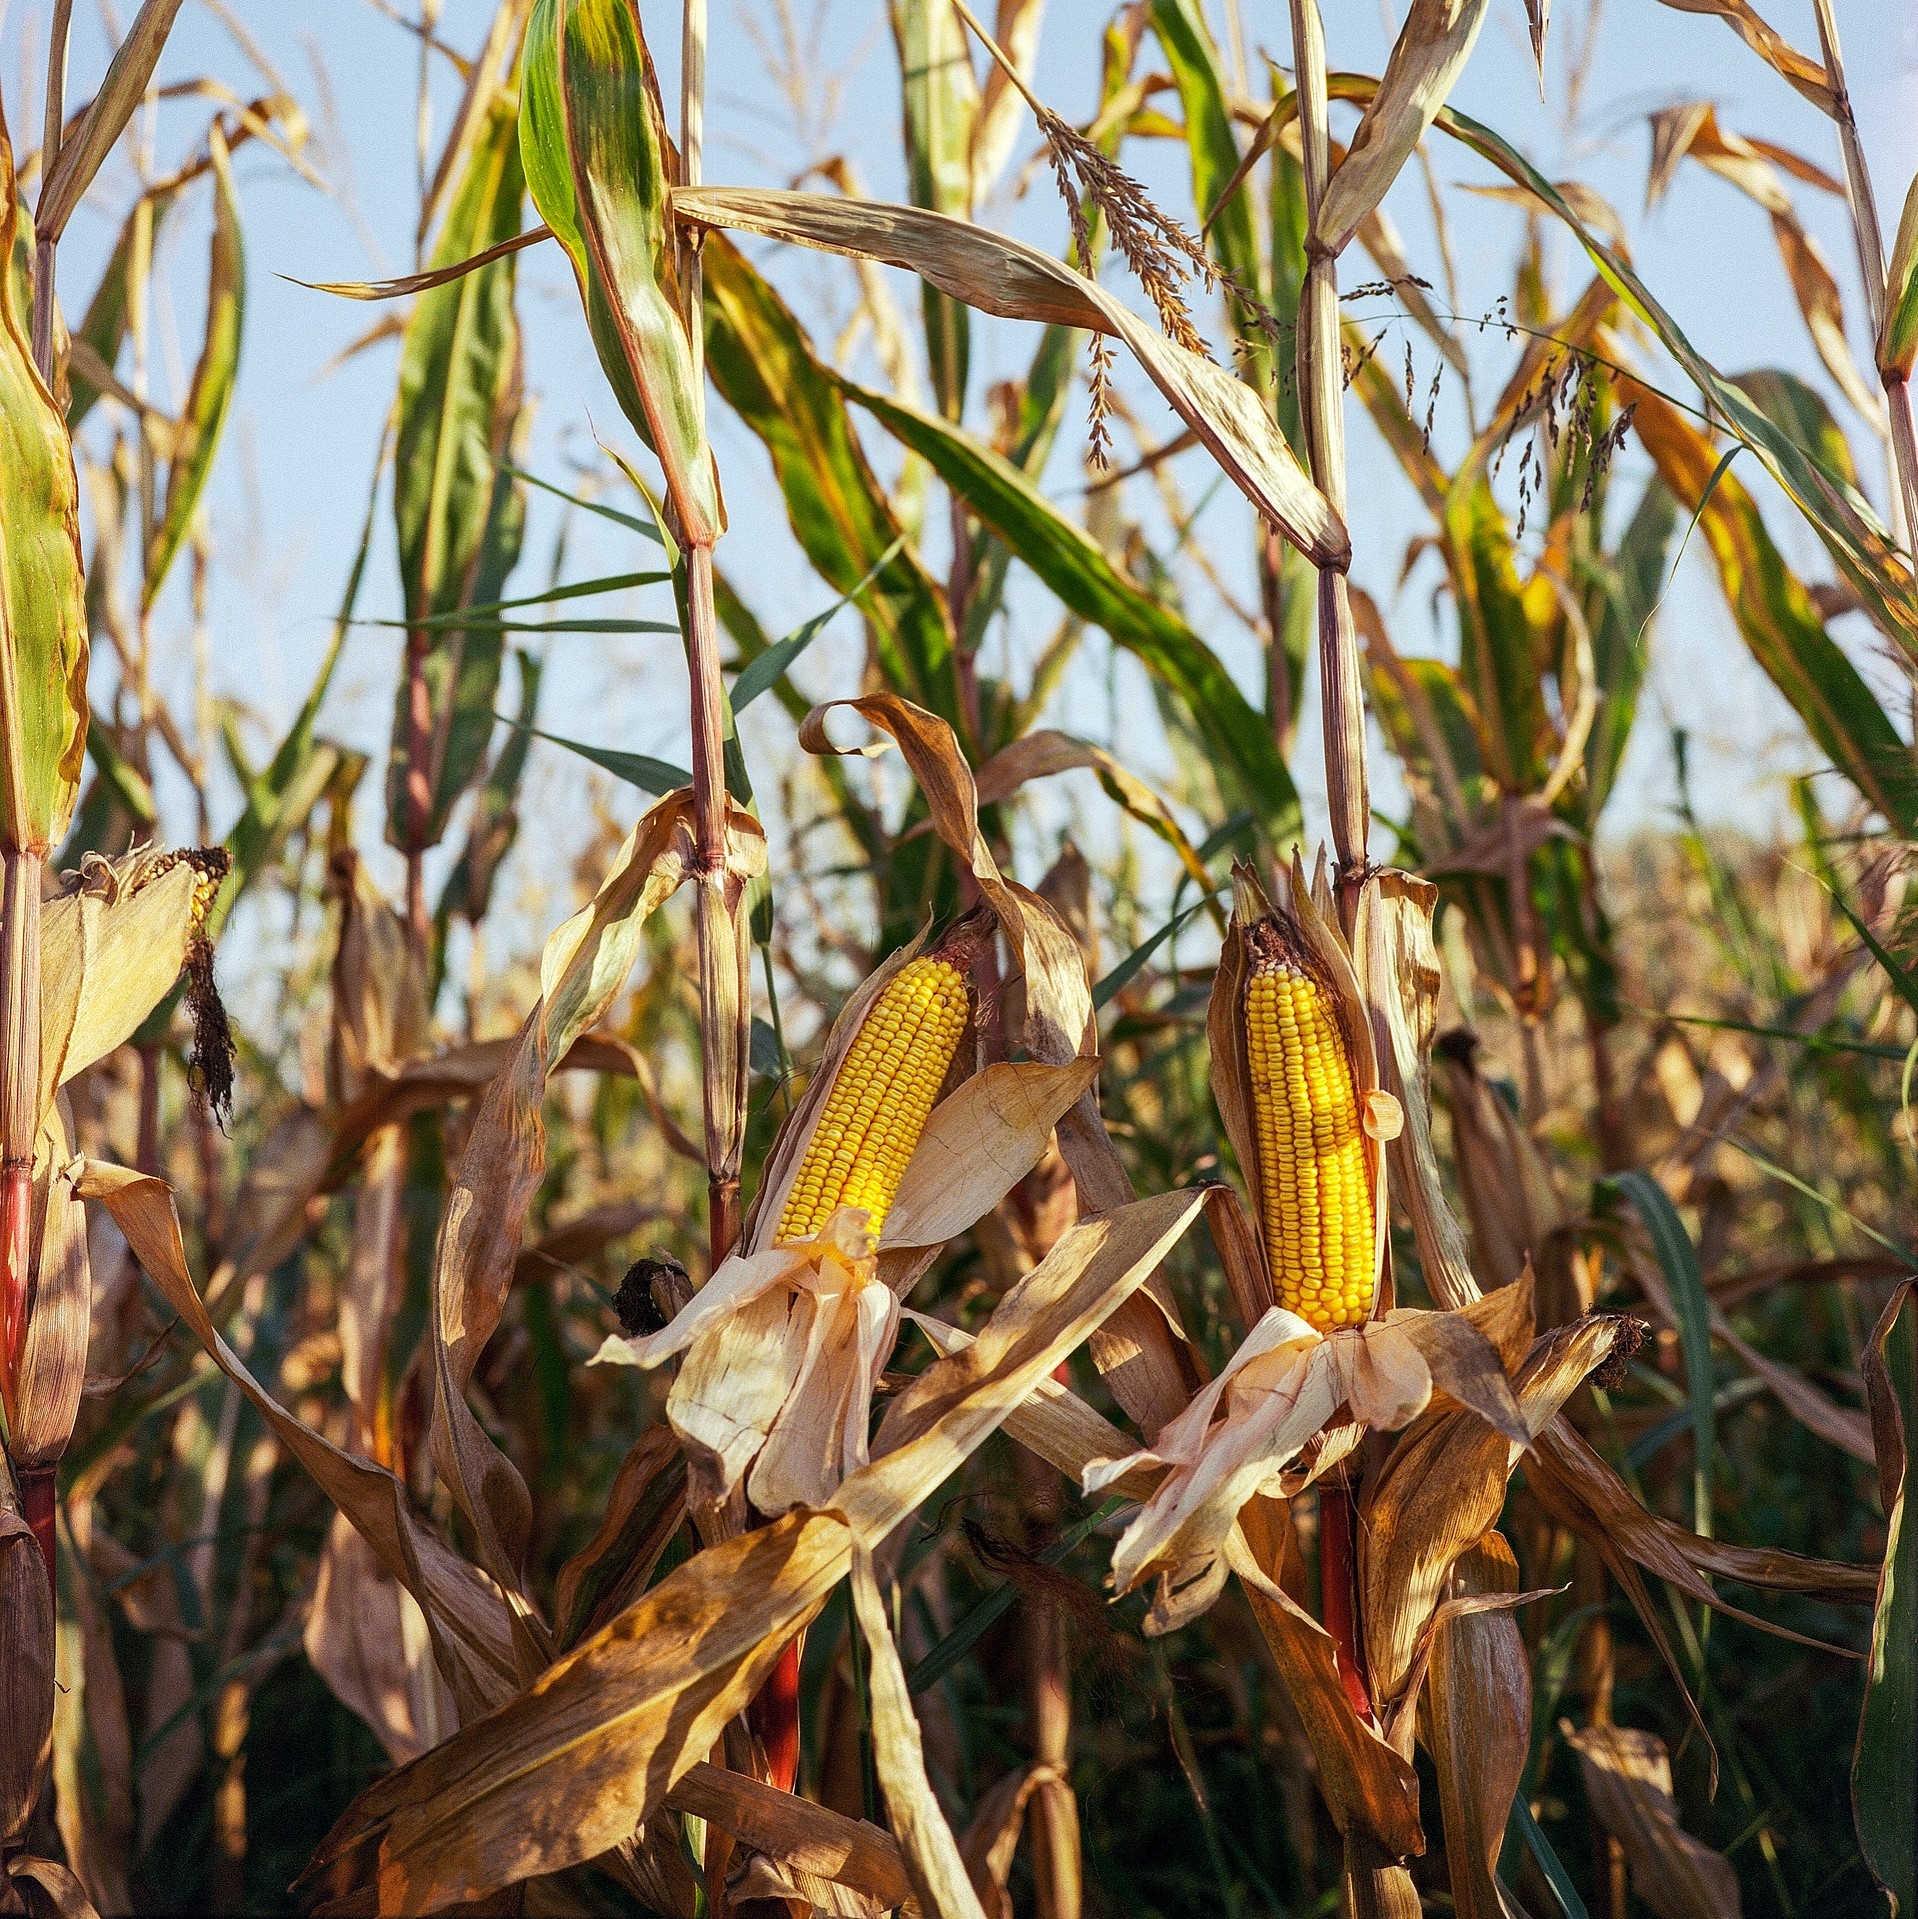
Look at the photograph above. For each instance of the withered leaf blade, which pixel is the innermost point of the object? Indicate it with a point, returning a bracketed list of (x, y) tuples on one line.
[(26, 1668), (930, 1852), (1441, 1492), (827, 1845), (1479, 1686), (570, 1768), (1371, 1789), (1426, 59), (1628, 1777), (471, 1619), (1884, 1778), (999, 275)]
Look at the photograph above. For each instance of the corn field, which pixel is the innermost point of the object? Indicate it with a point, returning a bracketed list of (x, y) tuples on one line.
[(992, 1097)]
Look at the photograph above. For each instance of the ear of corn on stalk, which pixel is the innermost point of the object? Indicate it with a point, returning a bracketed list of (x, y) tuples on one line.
[(881, 1097), (1315, 1195)]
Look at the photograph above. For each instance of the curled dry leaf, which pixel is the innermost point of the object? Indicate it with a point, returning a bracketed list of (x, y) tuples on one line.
[(367, 1638), (470, 1618), (1628, 1778), (1370, 1788), (1139, 1350), (1442, 1490), (569, 1768), (1005, 277), (854, 1854), (930, 1853), (1800, 71), (1055, 1424), (584, 964), (1479, 1693), (1426, 59)]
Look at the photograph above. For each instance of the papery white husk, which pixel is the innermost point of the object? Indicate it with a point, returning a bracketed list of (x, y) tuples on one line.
[(1283, 1385), (784, 1349)]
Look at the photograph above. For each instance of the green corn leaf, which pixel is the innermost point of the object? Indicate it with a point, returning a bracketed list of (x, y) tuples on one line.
[(1072, 565), (1796, 408), (1898, 340), (1678, 1260), (1630, 582), (43, 618), (766, 371), (1549, 1863), (1779, 623), (593, 139), (941, 99), (458, 514), (213, 378), (1884, 1776), (495, 823), (657, 777)]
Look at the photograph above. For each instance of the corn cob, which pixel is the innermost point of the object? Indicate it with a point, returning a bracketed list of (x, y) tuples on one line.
[(881, 1098), (1315, 1196)]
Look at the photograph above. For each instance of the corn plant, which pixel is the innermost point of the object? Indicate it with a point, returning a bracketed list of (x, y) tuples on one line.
[(932, 1518)]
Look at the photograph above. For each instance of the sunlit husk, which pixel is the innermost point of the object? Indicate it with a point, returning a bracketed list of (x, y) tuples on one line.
[(608, 1728), (1312, 922)]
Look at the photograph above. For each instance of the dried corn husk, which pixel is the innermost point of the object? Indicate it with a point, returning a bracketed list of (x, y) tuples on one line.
[(784, 1344), (608, 1729), (1628, 1777)]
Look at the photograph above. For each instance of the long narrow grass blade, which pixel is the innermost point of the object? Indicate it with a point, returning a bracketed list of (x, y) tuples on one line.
[(1884, 1776), (926, 1844)]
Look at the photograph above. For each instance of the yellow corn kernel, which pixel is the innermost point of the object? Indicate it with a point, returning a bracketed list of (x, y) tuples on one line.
[(881, 1098), (1315, 1196)]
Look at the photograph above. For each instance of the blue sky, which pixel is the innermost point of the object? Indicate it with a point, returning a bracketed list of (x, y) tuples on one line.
[(291, 488)]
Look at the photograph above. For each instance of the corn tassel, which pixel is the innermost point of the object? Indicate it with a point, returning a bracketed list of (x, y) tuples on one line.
[(1315, 1195), (881, 1097)]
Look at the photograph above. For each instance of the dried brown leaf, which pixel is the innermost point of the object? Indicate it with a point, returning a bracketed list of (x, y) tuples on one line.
[(1426, 59), (1479, 1698), (929, 1851), (571, 1767), (1002, 276), (859, 1856), (1628, 1778), (471, 1619)]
